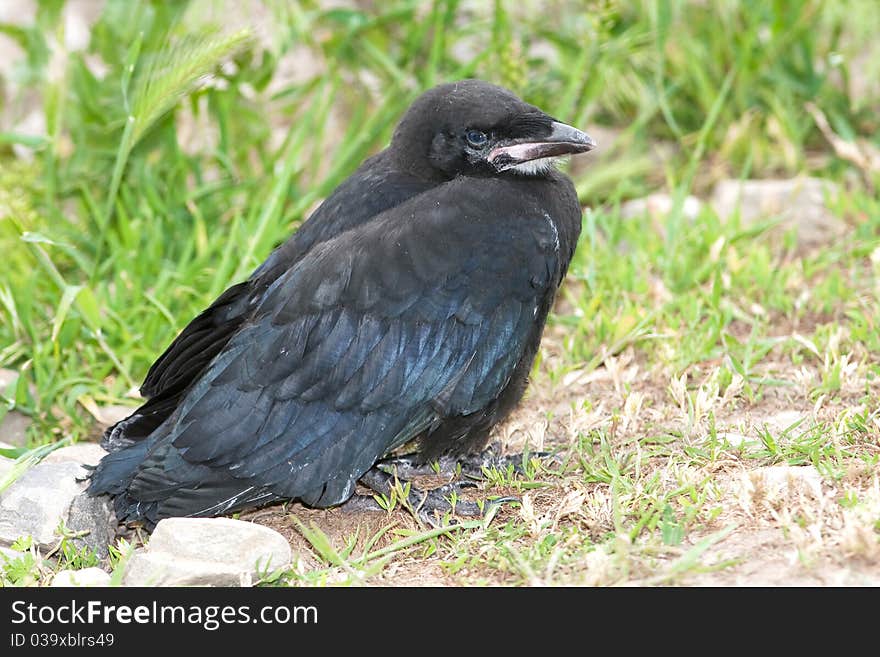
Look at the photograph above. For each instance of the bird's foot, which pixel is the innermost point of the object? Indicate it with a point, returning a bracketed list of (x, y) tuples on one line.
[(428, 505), (476, 465), (392, 480), (472, 466)]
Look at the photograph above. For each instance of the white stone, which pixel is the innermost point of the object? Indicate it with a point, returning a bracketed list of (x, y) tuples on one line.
[(82, 453), (659, 205), (785, 419), (7, 376), (734, 439), (207, 552), (13, 426), (109, 415), (84, 577), (93, 519), (45, 495), (797, 202), (162, 569), (781, 480), (37, 501), (5, 466)]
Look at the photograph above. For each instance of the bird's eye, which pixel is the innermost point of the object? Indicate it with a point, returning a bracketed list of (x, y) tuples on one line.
[(476, 138)]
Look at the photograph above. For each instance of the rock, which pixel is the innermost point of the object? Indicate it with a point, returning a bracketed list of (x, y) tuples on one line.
[(5, 466), (37, 501), (295, 67), (734, 439), (659, 205), (21, 14), (93, 515), (223, 540), (86, 513), (798, 202), (783, 420), (161, 569), (106, 415), (7, 377), (82, 453), (864, 87), (13, 426), (84, 577), (44, 496), (782, 480), (207, 552), (113, 413), (607, 138)]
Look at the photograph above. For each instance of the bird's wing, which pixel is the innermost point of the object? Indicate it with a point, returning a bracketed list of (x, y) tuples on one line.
[(372, 189), (181, 363), (198, 343), (367, 341)]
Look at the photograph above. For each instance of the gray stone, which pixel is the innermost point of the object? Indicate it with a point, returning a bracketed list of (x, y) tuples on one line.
[(777, 483), (787, 479), (93, 515), (7, 376), (607, 138), (13, 426), (37, 501), (659, 205), (84, 577), (109, 415), (5, 466), (82, 453), (798, 203), (864, 79), (44, 496), (782, 420), (89, 514), (734, 439), (207, 552), (162, 569)]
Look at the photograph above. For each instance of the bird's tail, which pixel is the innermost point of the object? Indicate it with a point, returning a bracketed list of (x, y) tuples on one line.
[(142, 422), (113, 476), (116, 470)]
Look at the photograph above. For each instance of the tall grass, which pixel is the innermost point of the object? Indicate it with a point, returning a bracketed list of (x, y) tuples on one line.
[(122, 225)]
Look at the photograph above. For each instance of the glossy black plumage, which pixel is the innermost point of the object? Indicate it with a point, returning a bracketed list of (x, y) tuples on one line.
[(410, 305)]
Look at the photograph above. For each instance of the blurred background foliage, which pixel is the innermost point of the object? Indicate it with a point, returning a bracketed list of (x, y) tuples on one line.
[(153, 152)]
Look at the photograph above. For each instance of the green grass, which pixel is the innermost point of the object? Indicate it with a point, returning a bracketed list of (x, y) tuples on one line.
[(152, 190)]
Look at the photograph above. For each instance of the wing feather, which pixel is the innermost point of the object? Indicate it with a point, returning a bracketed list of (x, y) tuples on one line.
[(363, 344)]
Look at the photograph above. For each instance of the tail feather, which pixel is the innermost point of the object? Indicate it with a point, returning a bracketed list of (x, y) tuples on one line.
[(116, 470), (149, 480), (142, 422)]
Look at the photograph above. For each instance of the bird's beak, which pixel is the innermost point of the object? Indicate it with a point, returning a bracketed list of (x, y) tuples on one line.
[(562, 140)]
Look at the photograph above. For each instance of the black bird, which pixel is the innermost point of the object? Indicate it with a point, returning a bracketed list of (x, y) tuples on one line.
[(410, 305)]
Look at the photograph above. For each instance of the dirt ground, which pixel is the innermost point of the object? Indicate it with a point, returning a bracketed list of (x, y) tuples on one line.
[(778, 525)]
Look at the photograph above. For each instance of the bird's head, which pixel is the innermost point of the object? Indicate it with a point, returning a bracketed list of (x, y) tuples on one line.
[(472, 127)]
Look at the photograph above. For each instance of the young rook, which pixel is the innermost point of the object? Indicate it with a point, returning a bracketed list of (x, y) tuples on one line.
[(409, 306)]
